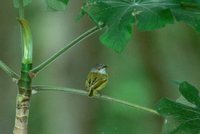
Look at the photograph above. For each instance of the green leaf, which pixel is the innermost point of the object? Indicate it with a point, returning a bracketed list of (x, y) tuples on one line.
[(188, 13), (119, 32), (153, 20), (181, 118), (57, 5), (190, 93), (119, 16), (17, 3)]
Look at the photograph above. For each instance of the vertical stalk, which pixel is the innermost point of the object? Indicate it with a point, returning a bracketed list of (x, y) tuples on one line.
[(23, 101), (24, 84)]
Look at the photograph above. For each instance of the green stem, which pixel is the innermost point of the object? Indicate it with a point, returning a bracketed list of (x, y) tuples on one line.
[(60, 52), (24, 84), (9, 71), (21, 10), (27, 41), (128, 104), (103, 97)]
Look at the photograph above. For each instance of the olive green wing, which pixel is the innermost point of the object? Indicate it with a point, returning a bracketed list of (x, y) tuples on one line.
[(91, 78), (99, 82), (96, 81)]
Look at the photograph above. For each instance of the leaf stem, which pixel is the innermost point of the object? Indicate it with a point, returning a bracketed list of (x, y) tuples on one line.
[(8, 70), (21, 10), (27, 41), (61, 51), (128, 104), (98, 96)]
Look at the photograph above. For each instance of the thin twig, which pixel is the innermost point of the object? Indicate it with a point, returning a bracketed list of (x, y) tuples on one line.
[(67, 46), (8, 70), (103, 97), (21, 9)]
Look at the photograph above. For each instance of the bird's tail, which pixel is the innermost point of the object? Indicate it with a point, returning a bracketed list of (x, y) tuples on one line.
[(91, 93)]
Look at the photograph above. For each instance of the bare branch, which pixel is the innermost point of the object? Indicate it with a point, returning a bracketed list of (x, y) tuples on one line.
[(98, 96), (9, 71)]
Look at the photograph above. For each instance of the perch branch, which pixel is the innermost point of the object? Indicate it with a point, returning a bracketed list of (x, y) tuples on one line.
[(98, 96)]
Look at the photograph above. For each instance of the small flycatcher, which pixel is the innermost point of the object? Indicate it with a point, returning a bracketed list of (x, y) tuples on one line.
[(97, 79)]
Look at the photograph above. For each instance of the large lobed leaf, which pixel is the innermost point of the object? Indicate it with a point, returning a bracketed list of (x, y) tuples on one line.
[(182, 117), (119, 16)]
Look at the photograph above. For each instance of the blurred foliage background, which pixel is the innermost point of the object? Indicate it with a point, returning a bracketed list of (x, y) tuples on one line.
[(142, 74)]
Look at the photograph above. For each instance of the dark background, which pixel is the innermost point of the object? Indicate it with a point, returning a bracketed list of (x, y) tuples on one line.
[(141, 74)]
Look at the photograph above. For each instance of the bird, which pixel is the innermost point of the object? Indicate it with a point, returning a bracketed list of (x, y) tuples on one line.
[(97, 79)]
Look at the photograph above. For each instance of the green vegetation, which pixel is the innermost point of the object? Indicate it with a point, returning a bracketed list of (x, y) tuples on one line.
[(117, 19)]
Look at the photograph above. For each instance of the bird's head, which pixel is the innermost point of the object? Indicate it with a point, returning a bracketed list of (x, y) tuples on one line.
[(100, 68)]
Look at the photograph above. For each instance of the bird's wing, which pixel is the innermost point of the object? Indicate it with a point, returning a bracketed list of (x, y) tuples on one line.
[(90, 80), (99, 84), (95, 81)]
